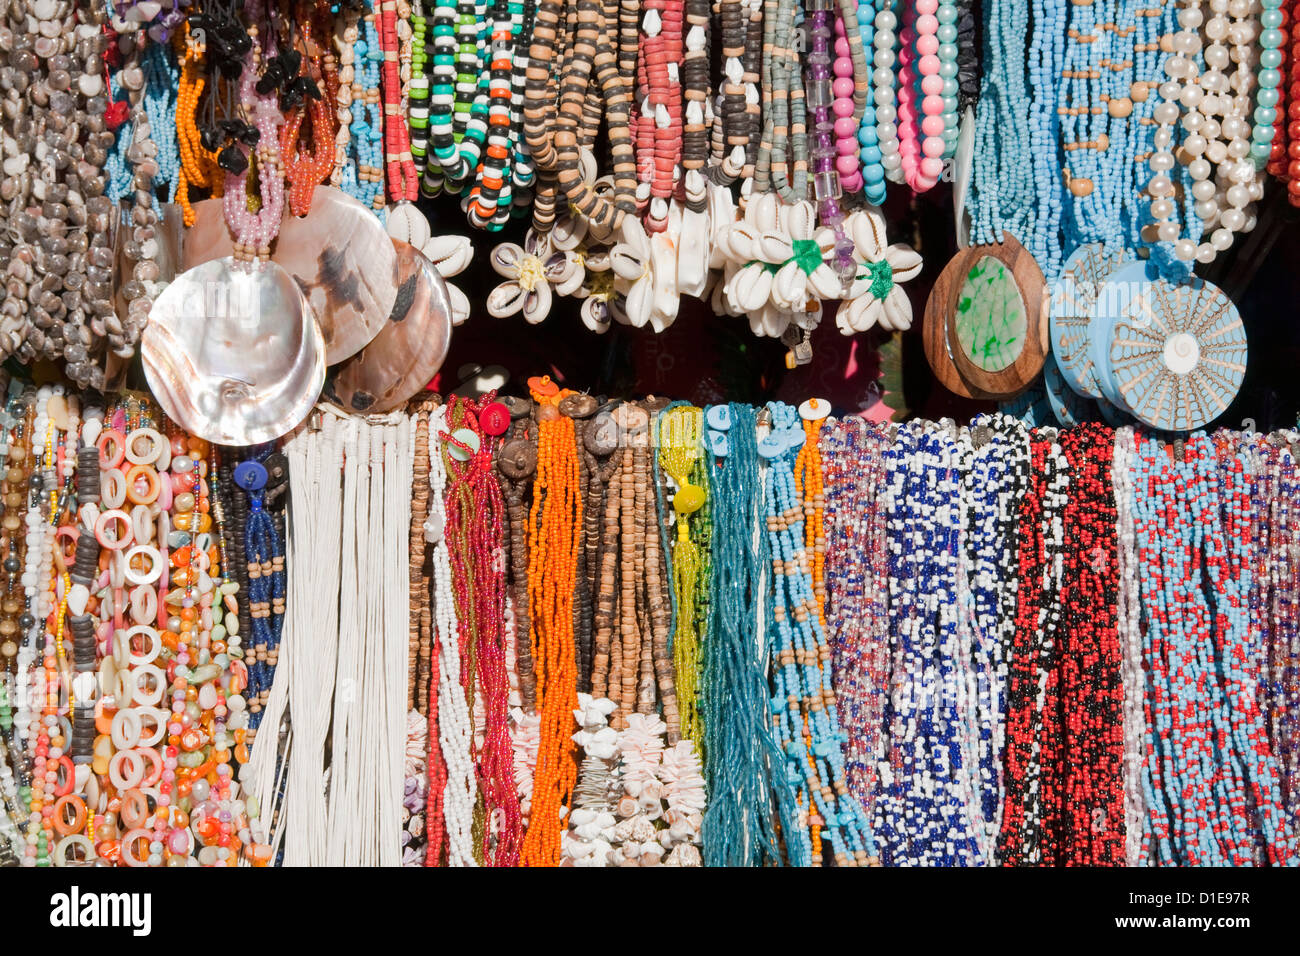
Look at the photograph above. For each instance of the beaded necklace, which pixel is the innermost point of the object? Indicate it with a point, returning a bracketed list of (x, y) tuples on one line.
[(264, 553), (1046, 57), (399, 166), (800, 651), (1002, 197), (553, 535), (1205, 738), (924, 808), (516, 464), (473, 525), (1031, 708), (885, 40), (750, 795), (1223, 174), (872, 175), (857, 592), (1090, 816), (454, 731), (998, 473), (922, 109), (1127, 625), (680, 454)]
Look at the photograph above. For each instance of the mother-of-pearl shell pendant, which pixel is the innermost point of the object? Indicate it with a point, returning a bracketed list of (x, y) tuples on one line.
[(409, 349), (233, 352)]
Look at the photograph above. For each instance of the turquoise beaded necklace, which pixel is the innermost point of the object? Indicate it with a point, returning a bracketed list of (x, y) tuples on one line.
[(1002, 194), (804, 713), (1046, 58), (748, 798)]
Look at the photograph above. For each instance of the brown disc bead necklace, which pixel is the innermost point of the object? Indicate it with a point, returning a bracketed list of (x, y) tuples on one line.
[(630, 662), (13, 542), (581, 407), (516, 463), (658, 582), (420, 644), (607, 656), (551, 128), (600, 444)]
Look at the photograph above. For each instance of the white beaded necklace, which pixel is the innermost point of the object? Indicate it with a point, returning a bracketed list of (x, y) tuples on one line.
[(1130, 640), (1216, 145), (455, 730)]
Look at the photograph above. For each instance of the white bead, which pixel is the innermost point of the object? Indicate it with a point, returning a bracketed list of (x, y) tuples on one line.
[(1199, 169), (1238, 195), (1185, 250), (1205, 253), (1162, 209), (1166, 114), (1221, 239), (1160, 186), (1233, 219), (1203, 189), (1216, 56)]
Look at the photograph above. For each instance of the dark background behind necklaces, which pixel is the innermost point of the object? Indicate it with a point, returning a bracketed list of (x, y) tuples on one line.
[(706, 358)]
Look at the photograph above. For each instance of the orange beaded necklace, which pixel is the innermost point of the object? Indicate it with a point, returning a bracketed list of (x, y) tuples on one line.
[(554, 537), (199, 167)]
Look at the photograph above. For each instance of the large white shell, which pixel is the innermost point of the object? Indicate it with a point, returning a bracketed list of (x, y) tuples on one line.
[(233, 353)]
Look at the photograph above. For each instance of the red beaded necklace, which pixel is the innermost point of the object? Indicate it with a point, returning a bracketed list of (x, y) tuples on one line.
[(403, 180), (1086, 802), (659, 126), (1031, 679), (474, 524)]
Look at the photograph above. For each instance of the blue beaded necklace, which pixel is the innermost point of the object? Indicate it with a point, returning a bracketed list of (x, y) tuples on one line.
[(1046, 61), (998, 472), (267, 582), (1002, 194), (749, 795), (873, 173), (365, 142), (922, 807), (804, 714), (1212, 789)]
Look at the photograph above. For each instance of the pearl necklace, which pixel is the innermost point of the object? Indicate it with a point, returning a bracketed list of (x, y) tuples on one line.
[(1216, 147)]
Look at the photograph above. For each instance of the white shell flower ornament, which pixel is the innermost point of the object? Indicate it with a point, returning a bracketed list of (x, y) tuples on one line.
[(450, 255), (530, 272), (645, 266), (875, 295)]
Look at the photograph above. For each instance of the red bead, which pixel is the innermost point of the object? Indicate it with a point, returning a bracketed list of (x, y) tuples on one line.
[(494, 419)]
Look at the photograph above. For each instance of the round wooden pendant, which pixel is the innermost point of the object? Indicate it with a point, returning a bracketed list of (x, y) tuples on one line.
[(1070, 313), (1176, 353), (409, 349), (989, 311), (339, 255)]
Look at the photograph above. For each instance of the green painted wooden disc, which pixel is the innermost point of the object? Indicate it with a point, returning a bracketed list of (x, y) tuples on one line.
[(991, 320)]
